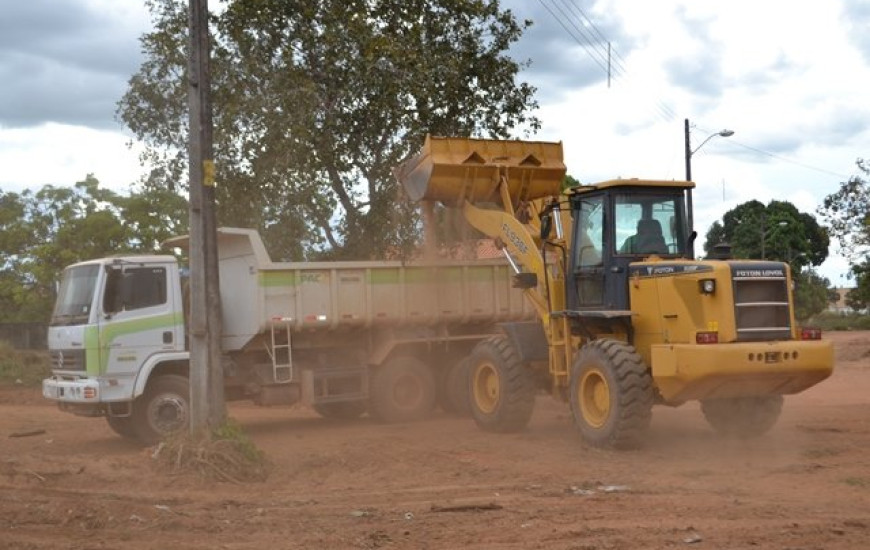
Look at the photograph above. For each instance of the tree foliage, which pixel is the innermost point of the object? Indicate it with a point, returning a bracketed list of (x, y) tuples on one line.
[(847, 215), (316, 102), (777, 231), (44, 231)]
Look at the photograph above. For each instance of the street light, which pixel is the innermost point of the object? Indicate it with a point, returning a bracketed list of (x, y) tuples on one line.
[(689, 153)]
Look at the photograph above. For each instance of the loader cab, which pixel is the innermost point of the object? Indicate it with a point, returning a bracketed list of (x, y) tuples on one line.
[(617, 223)]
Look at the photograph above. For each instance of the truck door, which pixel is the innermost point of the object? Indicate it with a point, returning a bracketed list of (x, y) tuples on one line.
[(139, 317)]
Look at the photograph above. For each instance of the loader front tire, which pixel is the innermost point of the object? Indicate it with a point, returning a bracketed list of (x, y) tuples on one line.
[(402, 390), (742, 417), (163, 409), (611, 395), (502, 391)]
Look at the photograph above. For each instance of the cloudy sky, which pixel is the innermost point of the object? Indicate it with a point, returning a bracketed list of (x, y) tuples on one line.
[(787, 77)]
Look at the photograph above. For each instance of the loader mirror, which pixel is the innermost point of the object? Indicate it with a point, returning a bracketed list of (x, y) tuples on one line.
[(546, 224)]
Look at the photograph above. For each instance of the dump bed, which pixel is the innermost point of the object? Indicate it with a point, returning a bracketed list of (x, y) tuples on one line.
[(349, 296)]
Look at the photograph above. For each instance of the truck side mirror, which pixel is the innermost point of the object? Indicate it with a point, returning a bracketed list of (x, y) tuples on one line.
[(112, 294)]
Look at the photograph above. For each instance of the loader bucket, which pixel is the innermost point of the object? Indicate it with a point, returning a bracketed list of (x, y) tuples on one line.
[(452, 170)]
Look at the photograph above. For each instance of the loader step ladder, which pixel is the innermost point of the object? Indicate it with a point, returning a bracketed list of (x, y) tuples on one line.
[(280, 352)]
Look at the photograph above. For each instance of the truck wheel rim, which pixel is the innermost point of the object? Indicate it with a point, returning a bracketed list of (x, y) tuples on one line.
[(168, 414), (486, 392), (594, 398)]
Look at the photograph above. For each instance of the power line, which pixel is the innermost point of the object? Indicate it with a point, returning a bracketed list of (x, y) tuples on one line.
[(781, 158), (602, 63), (571, 15)]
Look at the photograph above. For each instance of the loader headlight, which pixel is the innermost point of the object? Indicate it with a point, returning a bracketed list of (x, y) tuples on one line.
[(708, 286)]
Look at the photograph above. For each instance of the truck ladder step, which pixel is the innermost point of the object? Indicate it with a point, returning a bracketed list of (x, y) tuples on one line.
[(280, 352)]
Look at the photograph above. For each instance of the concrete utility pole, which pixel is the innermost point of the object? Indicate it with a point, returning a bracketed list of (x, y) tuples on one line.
[(207, 408)]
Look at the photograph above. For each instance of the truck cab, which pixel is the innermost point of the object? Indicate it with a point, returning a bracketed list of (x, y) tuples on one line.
[(112, 316)]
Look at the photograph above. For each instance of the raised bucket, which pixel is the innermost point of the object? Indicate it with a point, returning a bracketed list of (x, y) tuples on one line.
[(452, 170)]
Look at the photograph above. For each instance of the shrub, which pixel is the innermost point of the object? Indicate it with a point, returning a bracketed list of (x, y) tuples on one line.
[(25, 367)]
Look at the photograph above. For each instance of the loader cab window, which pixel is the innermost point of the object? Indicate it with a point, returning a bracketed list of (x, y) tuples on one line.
[(589, 234), (132, 288), (649, 223)]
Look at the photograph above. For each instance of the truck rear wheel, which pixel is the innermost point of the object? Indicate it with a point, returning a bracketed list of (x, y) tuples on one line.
[(611, 394), (502, 392), (402, 390), (454, 388), (163, 409), (743, 416), (341, 410), (122, 425)]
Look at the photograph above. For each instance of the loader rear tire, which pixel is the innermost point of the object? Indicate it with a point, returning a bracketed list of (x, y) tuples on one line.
[(743, 417), (501, 388), (163, 409), (611, 395), (341, 410), (402, 390)]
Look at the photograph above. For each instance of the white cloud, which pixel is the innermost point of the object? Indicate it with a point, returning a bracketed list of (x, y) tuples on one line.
[(61, 155)]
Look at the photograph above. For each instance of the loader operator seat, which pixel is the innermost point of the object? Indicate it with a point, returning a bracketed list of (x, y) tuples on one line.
[(647, 240)]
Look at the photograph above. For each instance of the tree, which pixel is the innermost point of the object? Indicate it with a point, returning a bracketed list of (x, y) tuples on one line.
[(811, 294), (858, 298), (43, 232), (316, 102), (847, 215), (777, 231)]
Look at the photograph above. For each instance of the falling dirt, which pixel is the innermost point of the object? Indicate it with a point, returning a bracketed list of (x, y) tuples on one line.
[(71, 483)]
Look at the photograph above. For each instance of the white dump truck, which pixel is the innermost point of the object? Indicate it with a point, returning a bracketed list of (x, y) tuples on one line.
[(343, 337)]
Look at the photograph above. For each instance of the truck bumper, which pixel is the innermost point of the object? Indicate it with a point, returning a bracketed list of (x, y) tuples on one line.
[(684, 372), (83, 390)]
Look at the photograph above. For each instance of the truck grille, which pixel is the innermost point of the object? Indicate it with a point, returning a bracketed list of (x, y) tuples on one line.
[(761, 308), (68, 360)]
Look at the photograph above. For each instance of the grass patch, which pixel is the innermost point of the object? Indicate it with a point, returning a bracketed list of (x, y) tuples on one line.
[(834, 321), (23, 366), (225, 454)]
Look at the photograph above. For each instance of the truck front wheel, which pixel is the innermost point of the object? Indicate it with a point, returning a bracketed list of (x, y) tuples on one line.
[(122, 425), (742, 416), (163, 409), (502, 392), (402, 390), (611, 394)]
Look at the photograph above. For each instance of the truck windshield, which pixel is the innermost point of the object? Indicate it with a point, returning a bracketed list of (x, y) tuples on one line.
[(75, 296)]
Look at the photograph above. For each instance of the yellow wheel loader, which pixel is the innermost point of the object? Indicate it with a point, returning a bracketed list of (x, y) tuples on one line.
[(627, 317)]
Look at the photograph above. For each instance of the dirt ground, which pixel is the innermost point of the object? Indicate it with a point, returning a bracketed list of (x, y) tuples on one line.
[(442, 483)]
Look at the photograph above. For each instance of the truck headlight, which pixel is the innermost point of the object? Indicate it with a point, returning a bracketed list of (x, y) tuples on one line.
[(708, 286)]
